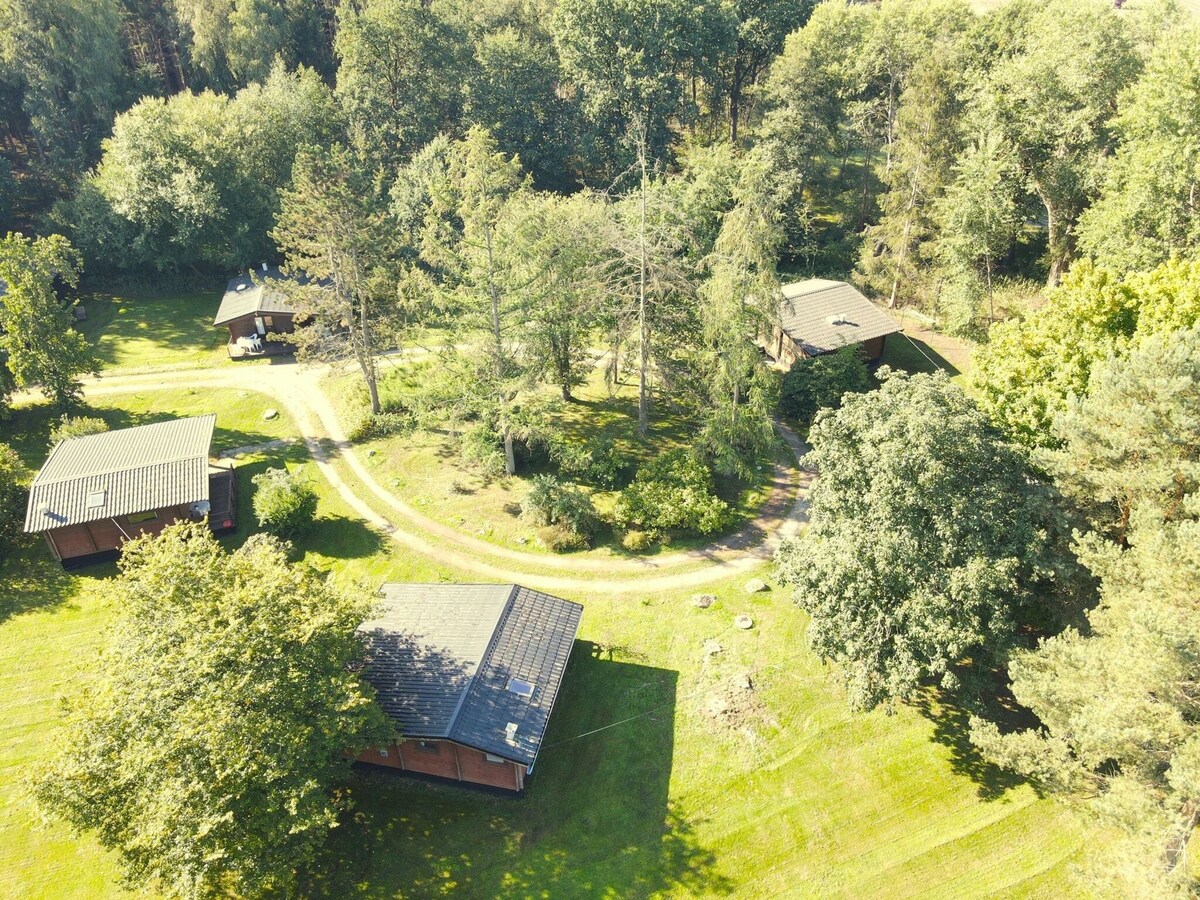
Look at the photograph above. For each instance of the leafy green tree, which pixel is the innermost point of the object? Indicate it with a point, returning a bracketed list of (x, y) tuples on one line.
[(1052, 95), (674, 493), (401, 73), (1147, 209), (514, 93), (194, 181), (75, 426), (630, 58), (210, 751), (334, 229), (820, 382), (13, 495), (1132, 441), (928, 542), (65, 57), (284, 502), (43, 350), (740, 299), (978, 219), (1119, 704)]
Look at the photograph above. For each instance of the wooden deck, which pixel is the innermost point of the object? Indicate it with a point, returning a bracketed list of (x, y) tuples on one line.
[(269, 348), (222, 498)]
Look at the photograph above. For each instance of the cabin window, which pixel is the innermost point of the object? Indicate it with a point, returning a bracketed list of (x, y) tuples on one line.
[(493, 758), (138, 518), (428, 746), (269, 321)]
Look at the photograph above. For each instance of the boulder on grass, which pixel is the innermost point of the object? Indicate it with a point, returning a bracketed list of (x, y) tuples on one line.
[(704, 601), (743, 622), (271, 414), (756, 586)]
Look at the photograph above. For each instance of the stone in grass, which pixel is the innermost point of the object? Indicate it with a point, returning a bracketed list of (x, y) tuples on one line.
[(756, 586), (271, 414), (712, 648), (703, 601), (743, 622), (372, 452)]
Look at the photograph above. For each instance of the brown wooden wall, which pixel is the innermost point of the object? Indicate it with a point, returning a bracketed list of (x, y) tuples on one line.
[(447, 759), (107, 534), (281, 323)]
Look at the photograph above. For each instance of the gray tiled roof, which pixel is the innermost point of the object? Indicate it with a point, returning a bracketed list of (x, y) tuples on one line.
[(442, 656), (812, 312), (246, 296), (116, 473)]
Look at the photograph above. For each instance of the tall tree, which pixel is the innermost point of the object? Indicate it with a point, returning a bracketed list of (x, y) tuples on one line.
[(43, 350), (1119, 704), (1149, 206), (339, 241), (740, 299), (1053, 96), (401, 73), (471, 235), (210, 753), (929, 541)]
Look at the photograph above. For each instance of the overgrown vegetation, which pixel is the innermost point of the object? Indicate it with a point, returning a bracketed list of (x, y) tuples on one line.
[(284, 502)]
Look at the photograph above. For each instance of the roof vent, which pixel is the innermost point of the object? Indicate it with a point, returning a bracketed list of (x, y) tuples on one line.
[(264, 265), (510, 733), (839, 319), (96, 499), (520, 688), (242, 286)]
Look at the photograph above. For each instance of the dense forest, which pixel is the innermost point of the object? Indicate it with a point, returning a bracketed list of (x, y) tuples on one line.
[(538, 178)]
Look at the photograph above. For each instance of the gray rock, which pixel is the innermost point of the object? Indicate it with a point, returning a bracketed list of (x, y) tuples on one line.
[(712, 648), (372, 452), (756, 585), (703, 601), (743, 622), (271, 414)]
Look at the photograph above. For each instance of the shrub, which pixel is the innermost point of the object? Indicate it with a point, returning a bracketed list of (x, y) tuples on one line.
[(284, 502), (480, 447), (76, 426), (560, 539), (673, 493), (553, 503), (378, 425), (820, 382), (12, 499), (636, 540), (597, 462)]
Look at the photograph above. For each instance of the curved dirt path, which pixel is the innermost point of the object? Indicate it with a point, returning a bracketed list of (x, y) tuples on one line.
[(298, 391)]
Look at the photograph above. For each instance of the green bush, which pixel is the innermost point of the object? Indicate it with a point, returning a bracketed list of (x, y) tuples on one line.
[(76, 426), (378, 425), (673, 493), (13, 495), (284, 502), (597, 462), (480, 447), (561, 538), (820, 382), (636, 540), (550, 502)]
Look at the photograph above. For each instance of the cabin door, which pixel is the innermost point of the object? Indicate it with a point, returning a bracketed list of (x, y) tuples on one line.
[(259, 326)]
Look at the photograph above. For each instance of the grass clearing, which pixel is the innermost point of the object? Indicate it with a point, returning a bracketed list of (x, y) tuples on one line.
[(154, 332), (425, 467)]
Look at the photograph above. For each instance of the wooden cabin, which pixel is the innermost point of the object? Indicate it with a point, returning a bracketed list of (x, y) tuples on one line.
[(253, 308), (819, 316), (469, 674), (97, 491)]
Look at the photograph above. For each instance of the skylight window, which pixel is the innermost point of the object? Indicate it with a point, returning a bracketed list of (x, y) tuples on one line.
[(96, 499), (520, 688)]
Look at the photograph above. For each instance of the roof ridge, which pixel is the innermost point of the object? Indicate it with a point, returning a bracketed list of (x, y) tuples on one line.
[(483, 659), (138, 468)]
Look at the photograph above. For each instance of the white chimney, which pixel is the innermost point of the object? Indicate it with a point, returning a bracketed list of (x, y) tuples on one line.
[(510, 733), (264, 267)]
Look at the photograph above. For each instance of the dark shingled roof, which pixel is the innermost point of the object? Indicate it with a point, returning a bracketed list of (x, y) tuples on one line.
[(823, 316), (244, 296), (116, 473), (442, 657)]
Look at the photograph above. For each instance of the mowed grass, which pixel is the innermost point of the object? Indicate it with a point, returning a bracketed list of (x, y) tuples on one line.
[(166, 331), (426, 469)]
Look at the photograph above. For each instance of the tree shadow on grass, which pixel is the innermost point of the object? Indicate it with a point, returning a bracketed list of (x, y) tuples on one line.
[(951, 729), (595, 820), (32, 580), (913, 355)]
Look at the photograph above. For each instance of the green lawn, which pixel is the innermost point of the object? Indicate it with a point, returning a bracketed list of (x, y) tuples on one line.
[(155, 332), (426, 470)]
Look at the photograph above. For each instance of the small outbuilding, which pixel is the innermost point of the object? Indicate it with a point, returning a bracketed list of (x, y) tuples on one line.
[(97, 491), (469, 674), (819, 316), (253, 308)]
